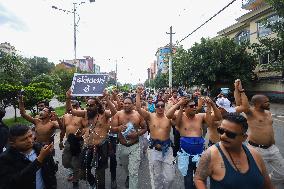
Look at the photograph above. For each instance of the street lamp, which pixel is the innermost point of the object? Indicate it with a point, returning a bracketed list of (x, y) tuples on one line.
[(116, 80), (74, 12)]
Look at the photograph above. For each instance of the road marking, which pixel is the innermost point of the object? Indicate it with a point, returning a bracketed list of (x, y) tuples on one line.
[(278, 120), (150, 169)]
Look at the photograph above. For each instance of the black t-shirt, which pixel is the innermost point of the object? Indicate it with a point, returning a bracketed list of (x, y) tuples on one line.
[(4, 133)]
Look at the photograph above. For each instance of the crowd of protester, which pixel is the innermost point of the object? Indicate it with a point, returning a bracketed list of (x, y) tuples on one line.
[(215, 143)]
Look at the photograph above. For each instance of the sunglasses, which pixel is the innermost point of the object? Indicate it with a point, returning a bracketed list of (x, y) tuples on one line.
[(160, 105), (191, 105), (90, 105), (229, 134)]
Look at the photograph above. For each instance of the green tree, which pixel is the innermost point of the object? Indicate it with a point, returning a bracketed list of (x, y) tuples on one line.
[(161, 81), (213, 62), (38, 66), (33, 95), (65, 77), (12, 68), (149, 83), (50, 82)]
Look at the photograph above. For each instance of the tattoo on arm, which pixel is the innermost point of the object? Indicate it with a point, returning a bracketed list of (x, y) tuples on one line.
[(203, 170)]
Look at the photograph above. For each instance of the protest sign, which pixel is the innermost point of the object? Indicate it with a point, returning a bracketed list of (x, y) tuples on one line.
[(88, 84)]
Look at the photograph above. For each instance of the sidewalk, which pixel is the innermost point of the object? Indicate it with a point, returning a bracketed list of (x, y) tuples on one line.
[(10, 112)]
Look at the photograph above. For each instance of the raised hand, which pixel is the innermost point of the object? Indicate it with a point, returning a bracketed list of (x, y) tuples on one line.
[(68, 93), (105, 94), (183, 101), (238, 85), (208, 101), (139, 90)]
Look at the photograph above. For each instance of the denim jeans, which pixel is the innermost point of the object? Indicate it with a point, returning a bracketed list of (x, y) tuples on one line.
[(188, 179)]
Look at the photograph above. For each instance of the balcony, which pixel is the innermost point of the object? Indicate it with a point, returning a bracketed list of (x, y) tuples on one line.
[(251, 4)]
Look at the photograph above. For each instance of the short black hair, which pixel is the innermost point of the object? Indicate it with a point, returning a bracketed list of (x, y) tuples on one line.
[(45, 102), (17, 131), (51, 109), (2, 112), (149, 97), (238, 119), (130, 98), (75, 103), (160, 100)]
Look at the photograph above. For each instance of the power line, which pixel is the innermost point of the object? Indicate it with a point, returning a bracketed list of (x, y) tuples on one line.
[(208, 20)]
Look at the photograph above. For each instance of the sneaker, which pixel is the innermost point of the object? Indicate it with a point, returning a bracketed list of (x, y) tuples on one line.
[(127, 182), (113, 184), (70, 177), (75, 185)]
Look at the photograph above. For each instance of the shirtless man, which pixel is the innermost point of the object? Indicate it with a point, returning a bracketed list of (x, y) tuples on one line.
[(96, 119), (129, 125), (161, 154), (212, 133), (73, 128), (189, 124), (44, 127), (261, 136), (230, 164)]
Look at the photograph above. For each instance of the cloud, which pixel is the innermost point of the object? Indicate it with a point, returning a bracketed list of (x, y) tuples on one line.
[(12, 21)]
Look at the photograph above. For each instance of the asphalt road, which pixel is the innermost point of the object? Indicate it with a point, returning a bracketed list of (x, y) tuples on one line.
[(145, 180)]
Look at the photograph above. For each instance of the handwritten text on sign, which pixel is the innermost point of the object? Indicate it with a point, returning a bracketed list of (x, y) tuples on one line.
[(88, 84)]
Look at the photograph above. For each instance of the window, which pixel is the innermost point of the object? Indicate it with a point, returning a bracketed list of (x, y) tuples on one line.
[(262, 26), (242, 37), (269, 57), (264, 59)]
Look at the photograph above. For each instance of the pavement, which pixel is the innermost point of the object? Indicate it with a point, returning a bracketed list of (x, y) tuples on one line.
[(145, 174)]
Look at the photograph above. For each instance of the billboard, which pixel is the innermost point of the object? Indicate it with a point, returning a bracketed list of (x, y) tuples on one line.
[(163, 60)]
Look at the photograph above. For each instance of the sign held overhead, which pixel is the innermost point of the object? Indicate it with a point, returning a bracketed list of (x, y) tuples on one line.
[(88, 84)]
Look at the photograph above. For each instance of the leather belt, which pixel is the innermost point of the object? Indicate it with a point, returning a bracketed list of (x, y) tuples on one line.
[(128, 145), (156, 148), (259, 145)]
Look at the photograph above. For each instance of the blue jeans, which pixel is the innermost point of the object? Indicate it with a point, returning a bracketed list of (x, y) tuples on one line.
[(188, 179)]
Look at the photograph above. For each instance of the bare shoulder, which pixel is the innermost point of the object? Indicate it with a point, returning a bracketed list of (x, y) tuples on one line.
[(255, 154), (201, 116), (250, 112), (120, 113), (257, 157), (268, 112)]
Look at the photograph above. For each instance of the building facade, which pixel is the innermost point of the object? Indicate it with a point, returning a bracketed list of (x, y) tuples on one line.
[(251, 27), (87, 63), (152, 70)]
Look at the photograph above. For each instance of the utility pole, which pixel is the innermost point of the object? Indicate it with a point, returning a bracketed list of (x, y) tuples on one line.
[(116, 73), (75, 38), (170, 59), (74, 12)]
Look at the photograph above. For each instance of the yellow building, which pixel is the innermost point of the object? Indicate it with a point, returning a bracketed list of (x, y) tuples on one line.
[(251, 27)]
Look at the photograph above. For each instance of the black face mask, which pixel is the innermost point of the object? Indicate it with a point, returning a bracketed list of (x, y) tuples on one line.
[(91, 113)]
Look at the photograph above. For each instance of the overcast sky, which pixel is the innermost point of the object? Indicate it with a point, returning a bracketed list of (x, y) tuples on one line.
[(110, 29)]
